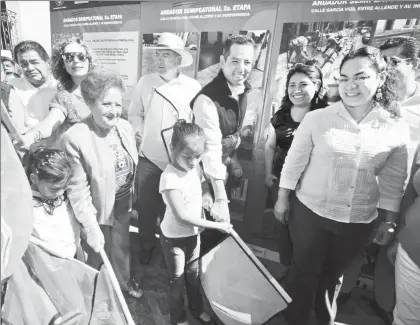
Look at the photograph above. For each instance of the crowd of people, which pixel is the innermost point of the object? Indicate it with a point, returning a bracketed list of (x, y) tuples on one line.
[(343, 173)]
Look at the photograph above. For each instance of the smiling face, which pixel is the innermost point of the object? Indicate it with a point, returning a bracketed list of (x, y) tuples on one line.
[(35, 69), (107, 111), (405, 68), (189, 156), (167, 60), (301, 89), (76, 61), (238, 65), (359, 82)]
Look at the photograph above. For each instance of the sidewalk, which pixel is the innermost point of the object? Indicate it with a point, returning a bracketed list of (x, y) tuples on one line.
[(153, 307)]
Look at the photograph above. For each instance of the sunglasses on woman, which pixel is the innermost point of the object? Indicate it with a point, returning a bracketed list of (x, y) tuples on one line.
[(70, 56)]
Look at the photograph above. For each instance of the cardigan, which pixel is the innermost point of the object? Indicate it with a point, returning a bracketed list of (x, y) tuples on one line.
[(92, 187)]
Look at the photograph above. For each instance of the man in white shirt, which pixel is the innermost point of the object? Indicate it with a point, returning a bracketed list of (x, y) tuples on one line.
[(219, 109), (158, 101), (37, 86)]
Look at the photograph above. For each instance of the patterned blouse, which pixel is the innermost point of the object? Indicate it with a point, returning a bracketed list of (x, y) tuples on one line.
[(74, 108), (124, 169)]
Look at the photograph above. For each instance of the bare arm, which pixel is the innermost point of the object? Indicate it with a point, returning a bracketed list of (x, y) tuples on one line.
[(45, 128), (175, 201), (270, 149)]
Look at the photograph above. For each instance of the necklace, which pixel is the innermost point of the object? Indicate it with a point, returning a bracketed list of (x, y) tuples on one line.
[(49, 204)]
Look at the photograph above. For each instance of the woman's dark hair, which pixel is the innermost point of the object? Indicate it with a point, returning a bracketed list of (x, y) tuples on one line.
[(183, 130), (58, 67), (26, 46), (388, 89), (51, 165), (314, 73)]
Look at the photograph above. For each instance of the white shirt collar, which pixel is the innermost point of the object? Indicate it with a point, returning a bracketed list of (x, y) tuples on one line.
[(236, 91)]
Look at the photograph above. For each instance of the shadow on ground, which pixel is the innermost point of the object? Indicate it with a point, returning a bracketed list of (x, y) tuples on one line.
[(153, 307)]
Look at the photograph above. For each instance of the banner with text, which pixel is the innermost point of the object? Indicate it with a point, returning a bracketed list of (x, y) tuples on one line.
[(207, 16), (325, 31), (112, 32)]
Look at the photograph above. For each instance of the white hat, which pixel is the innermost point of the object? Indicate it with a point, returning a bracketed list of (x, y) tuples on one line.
[(174, 43)]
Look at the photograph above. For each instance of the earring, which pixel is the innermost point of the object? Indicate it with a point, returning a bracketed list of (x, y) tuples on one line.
[(378, 95)]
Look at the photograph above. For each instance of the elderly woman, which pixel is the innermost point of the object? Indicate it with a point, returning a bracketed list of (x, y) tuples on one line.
[(70, 63), (345, 161), (304, 85), (103, 151)]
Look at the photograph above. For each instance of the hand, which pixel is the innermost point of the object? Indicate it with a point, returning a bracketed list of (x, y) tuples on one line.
[(207, 201), (384, 234), (224, 227), (236, 168), (392, 252), (246, 132), (220, 211), (95, 237), (270, 180), (281, 210), (27, 140)]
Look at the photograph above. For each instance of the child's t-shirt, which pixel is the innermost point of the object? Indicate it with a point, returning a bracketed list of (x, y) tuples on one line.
[(57, 227), (189, 183)]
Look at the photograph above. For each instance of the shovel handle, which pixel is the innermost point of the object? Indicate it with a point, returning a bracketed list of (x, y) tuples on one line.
[(116, 287)]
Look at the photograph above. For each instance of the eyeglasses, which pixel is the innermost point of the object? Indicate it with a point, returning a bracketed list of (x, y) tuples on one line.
[(395, 61), (70, 56), (357, 80)]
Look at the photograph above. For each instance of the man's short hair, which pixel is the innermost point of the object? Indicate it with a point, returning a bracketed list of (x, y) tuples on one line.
[(7, 59), (27, 46), (238, 39), (409, 46)]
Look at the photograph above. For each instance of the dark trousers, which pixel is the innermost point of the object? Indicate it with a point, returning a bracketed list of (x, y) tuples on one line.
[(181, 255), (117, 243), (149, 204), (322, 249)]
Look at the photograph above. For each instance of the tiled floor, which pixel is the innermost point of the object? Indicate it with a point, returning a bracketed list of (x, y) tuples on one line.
[(153, 307)]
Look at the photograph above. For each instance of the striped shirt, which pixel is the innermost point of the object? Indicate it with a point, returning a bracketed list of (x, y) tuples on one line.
[(342, 170)]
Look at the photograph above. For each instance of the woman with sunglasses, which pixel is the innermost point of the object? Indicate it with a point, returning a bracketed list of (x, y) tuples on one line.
[(70, 63), (304, 85), (345, 161)]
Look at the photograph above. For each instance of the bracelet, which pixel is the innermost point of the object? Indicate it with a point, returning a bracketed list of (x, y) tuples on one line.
[(220, 200), (392, 224), (37, 136)]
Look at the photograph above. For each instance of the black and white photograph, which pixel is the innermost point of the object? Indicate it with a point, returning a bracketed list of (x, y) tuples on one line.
[(209, 162)]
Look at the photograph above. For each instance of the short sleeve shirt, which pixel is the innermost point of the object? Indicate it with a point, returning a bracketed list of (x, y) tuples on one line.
[(189, 183)]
